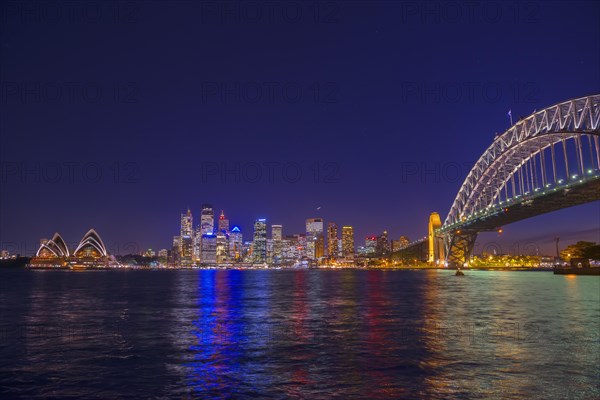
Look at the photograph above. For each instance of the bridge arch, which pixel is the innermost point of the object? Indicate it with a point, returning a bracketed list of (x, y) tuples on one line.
[(524, 143)]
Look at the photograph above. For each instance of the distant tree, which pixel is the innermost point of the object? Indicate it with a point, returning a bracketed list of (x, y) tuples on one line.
[(592, 252), (581, 250)]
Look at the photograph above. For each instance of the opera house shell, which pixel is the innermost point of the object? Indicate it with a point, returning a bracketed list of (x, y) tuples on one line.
[(89, 253)]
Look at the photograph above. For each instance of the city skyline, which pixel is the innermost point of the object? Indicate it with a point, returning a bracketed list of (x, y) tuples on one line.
[(539, 245)]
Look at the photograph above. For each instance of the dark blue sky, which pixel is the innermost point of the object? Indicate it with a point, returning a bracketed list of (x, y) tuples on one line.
[(119, 116)]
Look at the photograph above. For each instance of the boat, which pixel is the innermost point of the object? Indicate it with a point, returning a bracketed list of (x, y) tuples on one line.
[(578, 266), (459, 273)]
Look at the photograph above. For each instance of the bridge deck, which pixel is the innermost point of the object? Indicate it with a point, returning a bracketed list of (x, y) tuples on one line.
[(575, 194)]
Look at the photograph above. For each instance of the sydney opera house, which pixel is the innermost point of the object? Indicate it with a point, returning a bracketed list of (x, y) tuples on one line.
[(89, 253)]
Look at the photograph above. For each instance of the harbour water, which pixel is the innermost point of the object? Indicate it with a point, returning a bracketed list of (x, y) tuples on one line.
[(298, 334)]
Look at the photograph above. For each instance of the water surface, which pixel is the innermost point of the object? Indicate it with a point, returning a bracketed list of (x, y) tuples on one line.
[(298, 334)]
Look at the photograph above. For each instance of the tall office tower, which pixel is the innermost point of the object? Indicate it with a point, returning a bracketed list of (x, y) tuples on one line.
[(289, 249), (236, 243), (277, 237), (223, 223), (197, 244), (259, 245), (371, 245), (186, 224), (269, 251), (302, 250), (207, 226), (332, 240), (315, 241), (247, 255), (222, 248), (209, 249), (176, 250), (348, 242), (383, 244), (187, 235), (207, 219)]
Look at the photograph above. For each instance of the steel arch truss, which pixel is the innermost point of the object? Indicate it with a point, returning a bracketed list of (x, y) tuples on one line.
[(521, 144)]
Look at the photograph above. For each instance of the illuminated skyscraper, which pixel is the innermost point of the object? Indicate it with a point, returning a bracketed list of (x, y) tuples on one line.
[(303, 246), (383, 244), (186, 234), (276, 232), (276, 237), (247, 255), (332, 240), (291, 250), (348, 242), (259, 245), (371, 245), (207, 227), (315, 240), (197, 244), (236, 243), (223, 223), (207, 219), (186, 224)]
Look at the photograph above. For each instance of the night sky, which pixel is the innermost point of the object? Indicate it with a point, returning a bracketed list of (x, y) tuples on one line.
[(119, 116)]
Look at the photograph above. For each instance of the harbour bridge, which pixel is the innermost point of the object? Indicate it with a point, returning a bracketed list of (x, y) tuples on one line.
[(547, 161)]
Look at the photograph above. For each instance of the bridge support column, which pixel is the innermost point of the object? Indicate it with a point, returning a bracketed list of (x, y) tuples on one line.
[(459, 247)]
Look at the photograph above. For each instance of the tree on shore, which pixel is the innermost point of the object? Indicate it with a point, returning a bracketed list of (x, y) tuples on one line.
[(581, 249)]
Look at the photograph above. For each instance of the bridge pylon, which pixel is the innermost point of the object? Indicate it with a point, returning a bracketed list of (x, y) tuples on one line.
[(436, 252), (459, 246)]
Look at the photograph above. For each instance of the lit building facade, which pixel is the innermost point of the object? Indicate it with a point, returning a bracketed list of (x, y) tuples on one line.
[(176, 250), (223, 223), (209, 249), (207, 227), (291, 250), (236, 243), (332, 240), (207, 219), (383, 244), (348, 242), (370, 245), (277, 238), (197, 244), (222, 248), (315, 240)]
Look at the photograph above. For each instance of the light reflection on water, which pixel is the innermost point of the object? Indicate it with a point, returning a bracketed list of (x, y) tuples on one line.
[(303, 333)]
